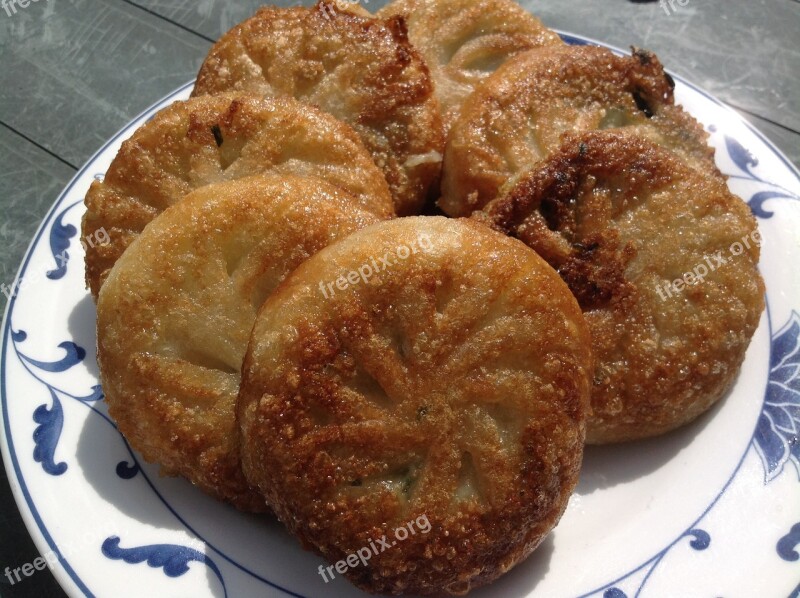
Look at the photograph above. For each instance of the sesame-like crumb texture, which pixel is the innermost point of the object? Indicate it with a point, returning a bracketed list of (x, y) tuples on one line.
[(452, 384), (175, 314), (213, 139), (518, 115), (465, 41), (361, 69), (621, 218)]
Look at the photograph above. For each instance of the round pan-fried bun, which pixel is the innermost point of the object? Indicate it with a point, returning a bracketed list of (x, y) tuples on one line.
[(464, 41), (443, 378), (213, 139), (518, 115), (360, 69), (174, 316), (622, 219)]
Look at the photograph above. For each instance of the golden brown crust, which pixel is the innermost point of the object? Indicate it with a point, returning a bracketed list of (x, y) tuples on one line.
[(621, 218), (464, 41), (518, 115), (360, 69), (451, 385), (213, 139), (175, 313)]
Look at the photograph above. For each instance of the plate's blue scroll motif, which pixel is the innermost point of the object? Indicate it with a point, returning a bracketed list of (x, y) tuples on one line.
[(50, 419), (777, 437), (746, 162), (172, 558)]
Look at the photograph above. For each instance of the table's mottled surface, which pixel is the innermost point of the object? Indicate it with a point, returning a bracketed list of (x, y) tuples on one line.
[(75, 71)]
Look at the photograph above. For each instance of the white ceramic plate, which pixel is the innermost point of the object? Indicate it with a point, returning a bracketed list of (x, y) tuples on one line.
[(712, 510)]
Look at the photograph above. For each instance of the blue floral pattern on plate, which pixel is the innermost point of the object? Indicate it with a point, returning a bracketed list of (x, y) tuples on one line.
[(747, 162), (173, 559), (51, 419), (776, 437)]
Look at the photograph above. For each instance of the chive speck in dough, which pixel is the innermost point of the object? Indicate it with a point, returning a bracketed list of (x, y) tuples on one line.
[(215, 130)]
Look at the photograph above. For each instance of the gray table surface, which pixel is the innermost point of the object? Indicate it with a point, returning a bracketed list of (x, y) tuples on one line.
[(75, 71)]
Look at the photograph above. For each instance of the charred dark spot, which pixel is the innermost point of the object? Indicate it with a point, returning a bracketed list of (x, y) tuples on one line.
[(356, 482), (399, 28), (587, 248), (643, 56), (590, 293), (670, 80), (642, 104), (596, 272), (217, 132), (550, 210), (422, 412), (582, 149)]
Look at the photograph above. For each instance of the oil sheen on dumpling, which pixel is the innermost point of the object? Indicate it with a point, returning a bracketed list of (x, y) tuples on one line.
[(175, 313)]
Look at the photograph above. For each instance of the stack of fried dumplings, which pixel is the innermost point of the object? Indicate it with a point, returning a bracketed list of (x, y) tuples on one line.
[(279, 323)]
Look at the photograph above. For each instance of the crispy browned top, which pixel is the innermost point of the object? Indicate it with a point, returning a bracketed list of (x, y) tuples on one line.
[(464, 41), (451, 384), (211, 139), (518, 115), (175, 314), (621, 218), (360, 69)]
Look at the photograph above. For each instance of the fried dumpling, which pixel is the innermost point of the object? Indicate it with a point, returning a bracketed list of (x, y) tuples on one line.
[(175, 313), (360, 69), (464, 41), (663, 261), (422, 369), (211, 139), (518, 115)]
